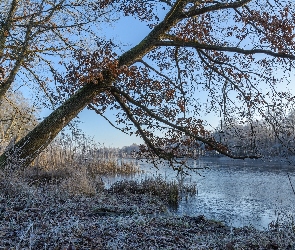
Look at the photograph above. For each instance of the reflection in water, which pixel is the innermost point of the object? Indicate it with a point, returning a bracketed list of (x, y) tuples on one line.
[(237, 192)]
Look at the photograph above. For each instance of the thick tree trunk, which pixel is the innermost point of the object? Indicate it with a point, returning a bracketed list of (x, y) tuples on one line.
[(25, 151)]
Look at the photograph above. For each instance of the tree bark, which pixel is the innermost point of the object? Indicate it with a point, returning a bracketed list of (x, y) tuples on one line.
[(25, 151)]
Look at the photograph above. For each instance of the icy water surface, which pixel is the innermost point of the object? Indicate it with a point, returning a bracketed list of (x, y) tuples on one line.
[(237, 192)]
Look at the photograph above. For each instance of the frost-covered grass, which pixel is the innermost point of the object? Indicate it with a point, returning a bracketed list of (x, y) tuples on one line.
[(60, 202), (78, 169), (49, 217), (169, 191)]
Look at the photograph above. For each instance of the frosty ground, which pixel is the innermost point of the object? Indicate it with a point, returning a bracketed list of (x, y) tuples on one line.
[(45, 217)]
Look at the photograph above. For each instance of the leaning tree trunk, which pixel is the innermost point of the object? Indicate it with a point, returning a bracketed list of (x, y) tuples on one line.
[(26, 150)]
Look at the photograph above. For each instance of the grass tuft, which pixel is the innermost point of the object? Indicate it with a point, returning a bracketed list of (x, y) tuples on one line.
[(166, 190)]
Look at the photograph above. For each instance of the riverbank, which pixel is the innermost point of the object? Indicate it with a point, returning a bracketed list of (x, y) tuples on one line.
[(45, 217)]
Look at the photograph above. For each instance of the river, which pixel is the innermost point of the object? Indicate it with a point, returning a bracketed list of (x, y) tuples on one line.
[(239, 193)]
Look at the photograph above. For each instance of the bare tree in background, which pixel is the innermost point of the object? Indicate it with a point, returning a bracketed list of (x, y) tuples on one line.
[(231, 59), (17, 117)]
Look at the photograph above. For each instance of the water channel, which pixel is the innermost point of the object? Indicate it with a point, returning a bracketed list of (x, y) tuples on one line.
[(237, 192)]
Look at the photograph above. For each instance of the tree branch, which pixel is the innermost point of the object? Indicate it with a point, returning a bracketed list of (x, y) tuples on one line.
[(218, 6), (197, 45), (148, 43), (208, 142), (158, 151), (7, 26), (91, 107), (5, 85)]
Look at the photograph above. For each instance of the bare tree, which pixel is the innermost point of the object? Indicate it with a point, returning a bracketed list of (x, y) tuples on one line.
[(17, 118), (37, 35), (228, 58)]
